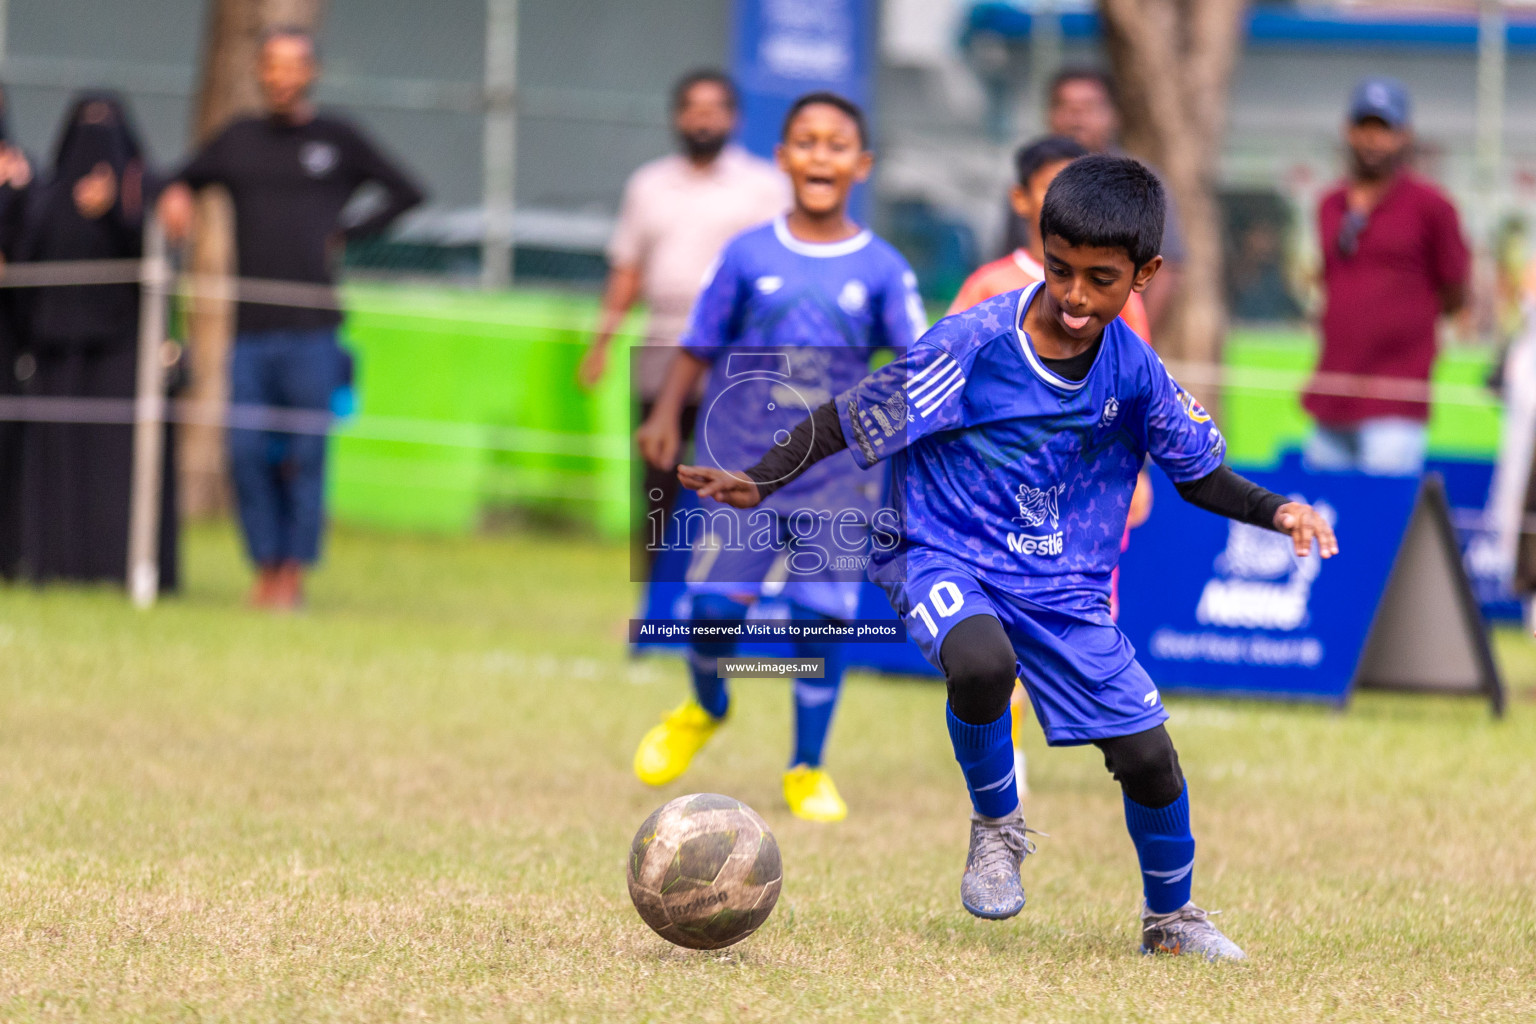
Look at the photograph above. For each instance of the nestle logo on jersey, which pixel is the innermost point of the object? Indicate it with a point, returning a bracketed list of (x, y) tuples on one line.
[(1036, 506), (1024, 544)]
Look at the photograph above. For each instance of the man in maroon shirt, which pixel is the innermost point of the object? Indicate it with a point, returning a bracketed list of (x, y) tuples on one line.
[(1394, 261)]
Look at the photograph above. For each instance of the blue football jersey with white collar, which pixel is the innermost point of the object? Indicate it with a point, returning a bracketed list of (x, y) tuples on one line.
[(1025, 476), (785, 326)]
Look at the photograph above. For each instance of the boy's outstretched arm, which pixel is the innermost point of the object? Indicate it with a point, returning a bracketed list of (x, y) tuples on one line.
[(661, 436), (1228, 494), (729, 487), (1304, 525), (817, 436)]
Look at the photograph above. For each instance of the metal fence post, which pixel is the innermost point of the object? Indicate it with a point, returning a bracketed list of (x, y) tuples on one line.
[(1044, 61), (148, 423), (500, 141)]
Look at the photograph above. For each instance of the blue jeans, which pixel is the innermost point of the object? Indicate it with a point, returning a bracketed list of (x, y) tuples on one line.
[(279, 475), (1386, 446)]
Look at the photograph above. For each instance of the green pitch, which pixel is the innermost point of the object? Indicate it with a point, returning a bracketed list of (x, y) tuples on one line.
[(414, 802)]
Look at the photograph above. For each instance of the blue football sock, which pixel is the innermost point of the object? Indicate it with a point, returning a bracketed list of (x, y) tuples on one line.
[(985, 753), (1166, 849), (708, 688), (816, 699)]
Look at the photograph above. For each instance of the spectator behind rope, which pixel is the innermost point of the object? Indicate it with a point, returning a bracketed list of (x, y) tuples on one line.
[(290, 172), (77, 477), (1394, 261), (15, 179)]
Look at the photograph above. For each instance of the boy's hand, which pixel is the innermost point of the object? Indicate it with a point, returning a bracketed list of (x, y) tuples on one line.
[(733, 489), (659, 439), (1304, 525), (176, 210), (590, 373)]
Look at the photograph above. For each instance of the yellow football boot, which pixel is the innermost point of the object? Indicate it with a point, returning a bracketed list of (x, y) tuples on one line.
[(668, 749), (812, 796)]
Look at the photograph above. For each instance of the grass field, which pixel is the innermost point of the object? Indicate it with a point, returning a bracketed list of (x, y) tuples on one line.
[(414, 802)]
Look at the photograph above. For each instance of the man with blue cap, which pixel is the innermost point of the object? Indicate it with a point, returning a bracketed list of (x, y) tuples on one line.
[(1394, 262)]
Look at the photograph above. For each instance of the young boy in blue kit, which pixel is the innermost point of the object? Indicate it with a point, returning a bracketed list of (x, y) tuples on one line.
[(1016, 430), (789, 317)]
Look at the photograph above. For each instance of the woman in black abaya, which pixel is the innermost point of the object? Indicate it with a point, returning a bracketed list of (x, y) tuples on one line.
[(76, 477), (15, 178), (10, 446)]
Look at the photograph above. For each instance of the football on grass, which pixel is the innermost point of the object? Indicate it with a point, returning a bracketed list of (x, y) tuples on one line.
[(704, 871)]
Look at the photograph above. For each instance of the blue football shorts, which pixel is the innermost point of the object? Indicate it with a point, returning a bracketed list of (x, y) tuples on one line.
[(815, 563), (1082, 677)]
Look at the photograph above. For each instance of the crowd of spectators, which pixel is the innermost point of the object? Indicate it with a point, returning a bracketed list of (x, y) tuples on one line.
[(1393, 262), (290, 172)]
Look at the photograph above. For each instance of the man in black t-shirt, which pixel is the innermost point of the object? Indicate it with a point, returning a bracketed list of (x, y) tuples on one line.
[(290, 174)]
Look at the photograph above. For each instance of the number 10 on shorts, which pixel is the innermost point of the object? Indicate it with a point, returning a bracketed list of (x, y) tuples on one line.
[(946, 599)]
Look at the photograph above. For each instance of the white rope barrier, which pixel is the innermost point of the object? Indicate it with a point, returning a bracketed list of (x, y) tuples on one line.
[(1228, 378), (301, 295), (278, 420), (151, 409)]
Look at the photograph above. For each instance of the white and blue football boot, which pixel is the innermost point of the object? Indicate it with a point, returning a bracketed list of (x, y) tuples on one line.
[(1186, 932), (990, 887)]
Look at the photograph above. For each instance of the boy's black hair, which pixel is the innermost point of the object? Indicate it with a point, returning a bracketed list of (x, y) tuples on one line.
[(1103, 79), (830, 99), (701, 76), (1109, 202), (1052, 149)]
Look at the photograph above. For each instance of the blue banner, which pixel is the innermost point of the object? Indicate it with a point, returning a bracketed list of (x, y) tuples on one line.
[(1467, 486), (1218, 606), (785, 48), (1468, 483)]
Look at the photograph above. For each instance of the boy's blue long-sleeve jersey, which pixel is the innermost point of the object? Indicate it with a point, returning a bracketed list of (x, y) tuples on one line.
[(1023, 475), (785, 325)]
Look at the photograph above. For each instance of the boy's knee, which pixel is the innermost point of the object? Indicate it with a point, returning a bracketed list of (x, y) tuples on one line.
[(979, 669), (714, 608), (717, 607), (1146, 766), (821, 646)]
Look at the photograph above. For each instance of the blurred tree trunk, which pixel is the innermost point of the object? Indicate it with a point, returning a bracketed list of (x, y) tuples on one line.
[(1173, 63), (227, 88)]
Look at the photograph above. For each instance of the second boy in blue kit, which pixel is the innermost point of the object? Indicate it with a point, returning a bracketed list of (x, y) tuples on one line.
[(1016, 430), (789, 317)]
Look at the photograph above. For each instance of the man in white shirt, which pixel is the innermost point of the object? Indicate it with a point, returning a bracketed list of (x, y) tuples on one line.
[(678, 213)]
